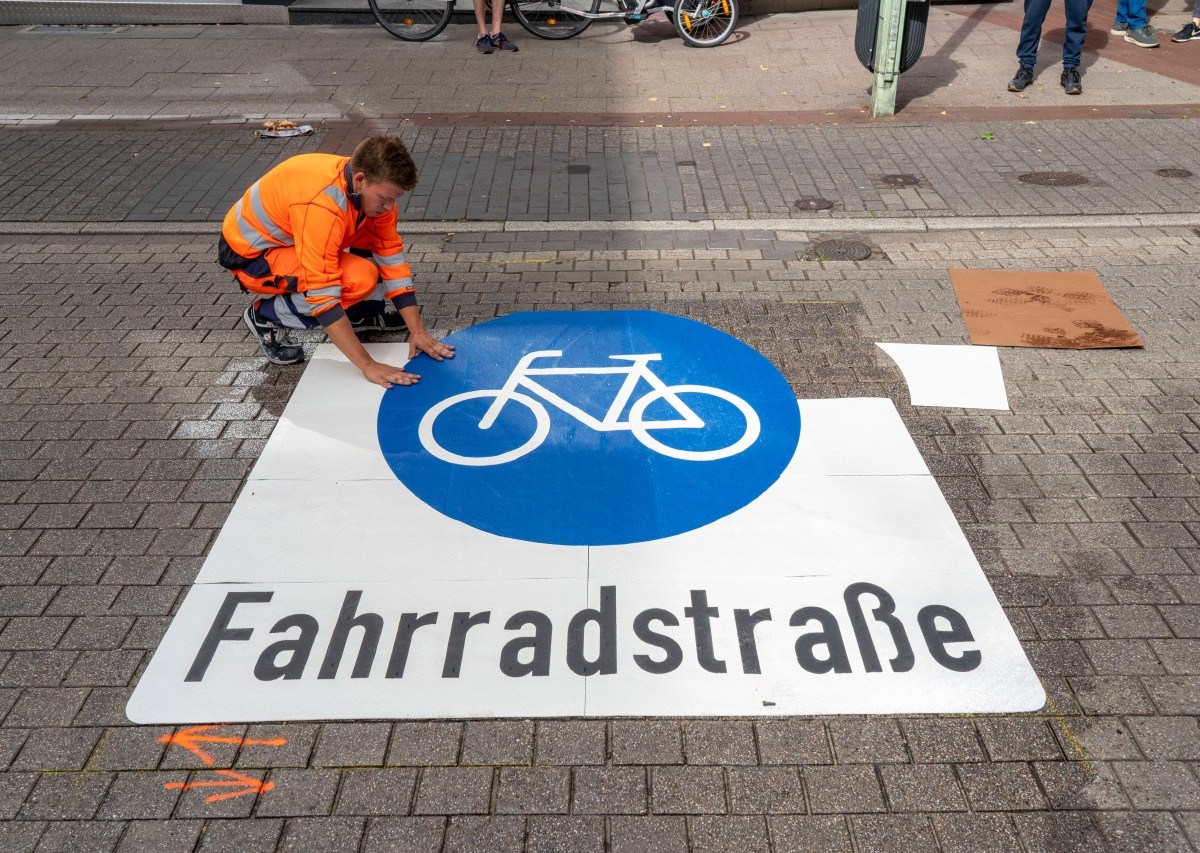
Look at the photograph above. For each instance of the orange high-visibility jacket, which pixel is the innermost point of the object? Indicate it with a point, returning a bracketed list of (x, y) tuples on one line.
[(307, 202)]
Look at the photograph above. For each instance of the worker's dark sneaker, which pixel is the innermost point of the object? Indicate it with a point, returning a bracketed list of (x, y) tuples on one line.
[(1142, 37), (483, 44), (502, 42), (1190, 32), (1071, 82), (1119, 28), (1021, 79), (275, 342), (388, 321)]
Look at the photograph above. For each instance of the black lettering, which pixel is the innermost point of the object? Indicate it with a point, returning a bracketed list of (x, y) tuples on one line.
[(937, 638), (674, 654), (510, 655), (269, 669), (372, 625), (462, 623), (830, 636), (409, 623), (903, 661), (745, 622), (606, 618), (700, 613), (220, 630)]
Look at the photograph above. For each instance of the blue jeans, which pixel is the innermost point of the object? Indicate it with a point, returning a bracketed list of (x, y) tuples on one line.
[(1133, 12), (1031, 31)]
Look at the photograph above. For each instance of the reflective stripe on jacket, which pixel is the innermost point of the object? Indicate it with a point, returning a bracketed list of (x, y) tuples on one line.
[(306, 202)]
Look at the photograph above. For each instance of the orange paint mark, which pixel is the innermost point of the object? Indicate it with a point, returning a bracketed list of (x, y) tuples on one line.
[(191, 738), (248, 784)]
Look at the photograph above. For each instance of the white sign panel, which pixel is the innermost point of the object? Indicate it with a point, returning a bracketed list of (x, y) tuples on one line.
[(720, 549)]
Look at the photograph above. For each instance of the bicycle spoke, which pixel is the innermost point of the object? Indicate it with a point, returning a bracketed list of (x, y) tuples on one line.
[(412, 20)]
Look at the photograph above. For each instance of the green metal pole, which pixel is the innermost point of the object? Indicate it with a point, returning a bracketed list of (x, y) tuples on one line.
[(887, 57)]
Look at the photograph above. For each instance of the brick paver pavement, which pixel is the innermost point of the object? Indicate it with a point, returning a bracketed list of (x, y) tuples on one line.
[(132, 406)]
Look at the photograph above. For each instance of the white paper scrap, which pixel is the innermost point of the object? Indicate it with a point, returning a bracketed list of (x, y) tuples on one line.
[(954, 376)]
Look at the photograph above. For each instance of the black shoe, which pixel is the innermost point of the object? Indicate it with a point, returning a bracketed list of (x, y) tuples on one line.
[(1071, 83), (1021, 79), (483, 44), (388, 321), (501, 42), (1190, 32), (276, 344)]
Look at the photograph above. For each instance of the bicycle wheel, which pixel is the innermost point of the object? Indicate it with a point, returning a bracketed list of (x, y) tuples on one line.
[(554, 19), (719, 417), (412, 20), (465, 428), (705, 23)]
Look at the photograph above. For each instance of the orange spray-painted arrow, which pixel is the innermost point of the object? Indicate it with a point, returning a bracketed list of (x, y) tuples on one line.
[(248, 784), (190, 739)]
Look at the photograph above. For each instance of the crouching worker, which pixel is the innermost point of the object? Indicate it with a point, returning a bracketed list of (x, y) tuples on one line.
[(316, 236)]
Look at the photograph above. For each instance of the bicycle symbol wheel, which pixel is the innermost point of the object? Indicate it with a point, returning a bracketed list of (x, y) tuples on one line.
[(643, 429), (540, 430)]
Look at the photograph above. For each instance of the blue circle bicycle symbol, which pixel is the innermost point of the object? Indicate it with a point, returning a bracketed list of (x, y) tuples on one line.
[(590, 428)]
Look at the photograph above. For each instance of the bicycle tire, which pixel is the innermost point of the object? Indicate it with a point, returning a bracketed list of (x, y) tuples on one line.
[(553, 19), (412, 20), (747, 438), (541, 429), (705, 23)]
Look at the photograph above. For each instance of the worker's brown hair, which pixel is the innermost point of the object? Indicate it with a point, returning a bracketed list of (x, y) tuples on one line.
[(384, 158)]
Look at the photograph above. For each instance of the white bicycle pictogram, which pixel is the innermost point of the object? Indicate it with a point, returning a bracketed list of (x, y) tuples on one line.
[(637, 370)]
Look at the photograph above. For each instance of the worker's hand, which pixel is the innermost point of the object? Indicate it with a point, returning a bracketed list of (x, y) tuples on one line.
[(424, 342), (387, 376)]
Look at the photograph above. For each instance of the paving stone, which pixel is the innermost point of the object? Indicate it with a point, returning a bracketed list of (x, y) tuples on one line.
[(298, 738), (867, 741), (647, 742), (376, 792), (1132, 832), (415, 834), (719, 742), (160, 835), (485, 834), (818, 834), (1018, 740), (533, 790), (687, 790), (981, 833), (1055, 831), (351, 745), (66, 796), (551, 834), (788, 742), (571, 742), (893, 832), (922, 788), (20, 836), (141, 795), (765, 790), (454, 790), (937, 741), (843, 790), (1077, 785), (332, 834), (1159, 785), (425, 744), (498, 742), (236, 836), (1000, 787), (299, 792), (648, 835), (80, 835), (609, 790), (729, 833)]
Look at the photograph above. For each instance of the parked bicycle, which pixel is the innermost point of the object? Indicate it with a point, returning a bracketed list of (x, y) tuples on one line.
[(534, 396), (700, 23)]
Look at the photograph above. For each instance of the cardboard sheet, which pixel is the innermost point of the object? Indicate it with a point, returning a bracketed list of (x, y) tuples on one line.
[(963, 377), (1052, 310)]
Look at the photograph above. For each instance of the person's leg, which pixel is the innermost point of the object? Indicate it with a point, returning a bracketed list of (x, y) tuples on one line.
[(1135, 13), (1122, 17), (497, 16), (362, 289), (1031, 31), (483, 42), (1077, 12)]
